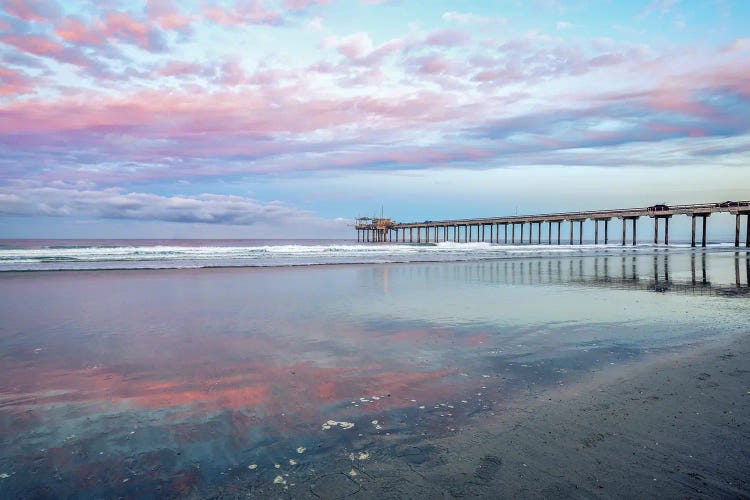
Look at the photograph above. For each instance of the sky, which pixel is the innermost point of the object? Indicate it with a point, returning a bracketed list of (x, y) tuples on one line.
[(289, 118)]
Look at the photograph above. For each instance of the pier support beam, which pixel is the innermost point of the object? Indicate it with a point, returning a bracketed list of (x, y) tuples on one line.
[(703, 240), (539, 232), (513, 233), (571, 231), (737, 230), (549, 232), (666, 229), (522, 224), (692, 238), (747, 239), (580, 232), (606, 230), (506, 233), (624, 225), (596, 231), (635, 238), (559, 228)]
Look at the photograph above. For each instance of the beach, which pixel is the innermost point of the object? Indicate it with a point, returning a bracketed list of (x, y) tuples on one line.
[(612, 373)]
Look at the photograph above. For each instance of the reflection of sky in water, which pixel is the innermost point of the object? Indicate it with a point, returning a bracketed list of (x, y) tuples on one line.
[(113, 382)]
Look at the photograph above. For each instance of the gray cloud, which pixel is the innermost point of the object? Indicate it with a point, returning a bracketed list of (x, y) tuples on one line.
[(64, 201)]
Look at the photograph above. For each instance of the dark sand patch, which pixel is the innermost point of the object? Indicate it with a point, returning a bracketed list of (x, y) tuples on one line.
[(672, 427)]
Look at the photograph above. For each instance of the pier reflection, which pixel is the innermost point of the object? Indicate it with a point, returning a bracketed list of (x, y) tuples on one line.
[(704, 274)]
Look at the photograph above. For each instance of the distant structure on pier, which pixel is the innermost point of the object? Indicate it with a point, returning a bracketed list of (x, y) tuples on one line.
[(381, 229)]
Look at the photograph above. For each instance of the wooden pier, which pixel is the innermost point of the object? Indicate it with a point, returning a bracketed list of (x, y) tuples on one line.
[(489, 229)]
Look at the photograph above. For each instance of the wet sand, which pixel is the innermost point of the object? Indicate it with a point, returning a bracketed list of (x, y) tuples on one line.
[(522, 378), (673, 426)]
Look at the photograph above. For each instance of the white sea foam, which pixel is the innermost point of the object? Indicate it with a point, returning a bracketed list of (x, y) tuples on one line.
[(176, 256)]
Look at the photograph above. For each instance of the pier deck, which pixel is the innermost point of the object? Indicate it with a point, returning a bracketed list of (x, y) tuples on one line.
[(488, 228)]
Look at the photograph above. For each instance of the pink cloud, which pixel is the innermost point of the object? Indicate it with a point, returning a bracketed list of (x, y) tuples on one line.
[(32, 10), (448, 38), (167, 15), (232, 73), (303, 4), (678, 100), (14, 83), (124, 27), (250, 12), (435, 64), (354, 46), (181, 68), (34, 44), (74, 31)]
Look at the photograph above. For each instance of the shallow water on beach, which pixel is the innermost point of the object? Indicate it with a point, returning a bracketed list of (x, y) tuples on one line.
[(284, 381)]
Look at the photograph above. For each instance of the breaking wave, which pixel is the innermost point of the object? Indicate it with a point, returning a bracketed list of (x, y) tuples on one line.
[(175, 256)]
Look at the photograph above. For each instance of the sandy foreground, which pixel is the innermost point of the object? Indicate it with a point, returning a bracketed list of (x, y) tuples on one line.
[(674, 426)]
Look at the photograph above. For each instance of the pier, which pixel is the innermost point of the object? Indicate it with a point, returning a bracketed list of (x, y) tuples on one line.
[(503, 229)]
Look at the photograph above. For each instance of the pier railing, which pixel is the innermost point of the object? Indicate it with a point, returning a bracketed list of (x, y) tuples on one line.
[(488, 228)]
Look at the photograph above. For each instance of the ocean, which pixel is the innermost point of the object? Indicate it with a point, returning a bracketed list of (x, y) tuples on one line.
[(318, 369)]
